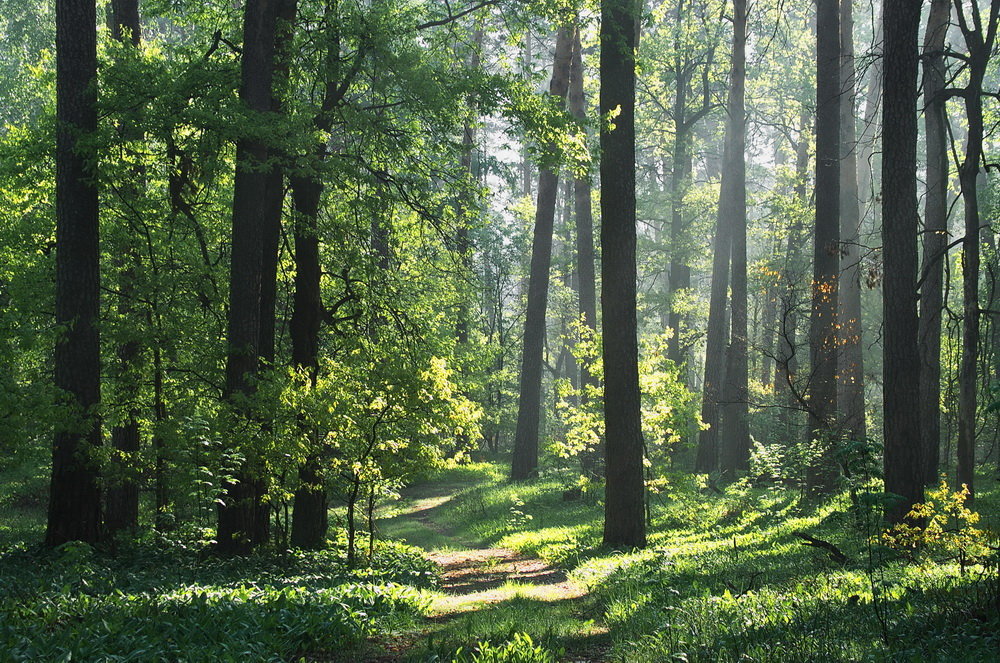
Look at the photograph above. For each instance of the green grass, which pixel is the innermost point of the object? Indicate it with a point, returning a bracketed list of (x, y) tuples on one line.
[(723, 578)]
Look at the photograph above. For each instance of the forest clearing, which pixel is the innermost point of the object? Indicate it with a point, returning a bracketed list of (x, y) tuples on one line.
[(499, 331)]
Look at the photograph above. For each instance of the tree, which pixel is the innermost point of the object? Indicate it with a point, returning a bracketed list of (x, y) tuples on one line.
[(584, 218), (122, 494), (242, 513), (850, 368), (735, 434), (979, 42), (624, 503), (823, 337), (901, 358), (934, 236), (74, 511), (524, 463)]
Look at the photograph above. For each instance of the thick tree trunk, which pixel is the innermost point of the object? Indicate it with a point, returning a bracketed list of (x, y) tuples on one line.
[(624, 503), (823, 338), (935, 237), (901, 358), (74, 511), (121, 510), (240, 513), (735, 433), (524, 463), (850, 369)]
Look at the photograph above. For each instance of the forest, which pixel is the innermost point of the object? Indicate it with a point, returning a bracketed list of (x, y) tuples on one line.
[(499, 331)]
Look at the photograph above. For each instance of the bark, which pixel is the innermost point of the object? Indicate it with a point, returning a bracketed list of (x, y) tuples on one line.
[(122, 494), (979, 41), (624, 504), (74, 509), (735, 432), (850, 370), (732, 207), (901, 358), (823, 338), (584, 217), (935, 237), (524, 463), (240, 513)]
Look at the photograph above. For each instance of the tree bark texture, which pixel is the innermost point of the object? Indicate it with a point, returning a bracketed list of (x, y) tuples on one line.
[(734, 453), (524, 463), (935, 237), (823, 337), (901, 358), (242, 512), (624, 504), (74, 510), (850, 368)]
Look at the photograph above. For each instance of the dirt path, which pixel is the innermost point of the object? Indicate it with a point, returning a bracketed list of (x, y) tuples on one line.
[(486, 590)]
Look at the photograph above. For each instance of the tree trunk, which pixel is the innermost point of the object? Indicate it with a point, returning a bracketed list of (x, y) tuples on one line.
[(735, 432), (850, 369), (624, 503), (240, 510), (979, 41), (901, 358), (524, 463), (121, 510), (823, 339), (74, 510), (584, 217), (935, 238)]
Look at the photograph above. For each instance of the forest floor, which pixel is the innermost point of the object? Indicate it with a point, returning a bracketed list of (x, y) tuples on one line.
[(486, 593)]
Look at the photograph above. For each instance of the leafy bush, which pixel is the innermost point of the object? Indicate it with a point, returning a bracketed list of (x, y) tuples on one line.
[(519, 649)]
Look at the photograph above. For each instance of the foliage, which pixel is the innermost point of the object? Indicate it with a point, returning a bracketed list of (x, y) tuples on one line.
[(161, 600), (941, 528), (519, 649)]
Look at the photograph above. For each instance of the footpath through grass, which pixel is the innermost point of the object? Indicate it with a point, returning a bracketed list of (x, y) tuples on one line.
[(725, 578)]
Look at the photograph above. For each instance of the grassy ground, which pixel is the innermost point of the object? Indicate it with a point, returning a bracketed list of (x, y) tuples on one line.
[(724, 578)]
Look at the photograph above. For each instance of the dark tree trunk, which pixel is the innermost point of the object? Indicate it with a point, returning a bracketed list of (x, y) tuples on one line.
[(735, 432), (309, 514), (624, 503), (121, 511), (74, 511), (935, 237), (979, 42), (524, 463), (584, 217), (240, 513), (850, 369), (901, 358), (823, 338)]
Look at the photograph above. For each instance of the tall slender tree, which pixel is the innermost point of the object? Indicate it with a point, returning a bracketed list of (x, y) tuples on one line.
[(524, 463), (584, 224), (624, 503), (74, 511), (823, 337), (850, 368), (735, 434), (901, 358), (935, 236), (121, 510), (242, 507), (980, 38)]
